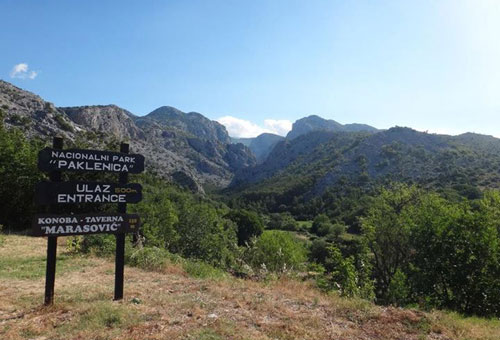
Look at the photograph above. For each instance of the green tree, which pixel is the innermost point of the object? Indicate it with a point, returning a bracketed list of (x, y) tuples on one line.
[(343, 275), (159, 217), (278, 251), (204, 235), (387, 231), (456, 262), (249, 224), (282, 221), (322, 225), (18, 177), (398, 290)]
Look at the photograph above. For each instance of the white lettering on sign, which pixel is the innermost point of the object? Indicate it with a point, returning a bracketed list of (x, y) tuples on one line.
[(77, 229), (105, 188), (56, 220), (88, 156), (91, 198), (123, 159), (79, 155), (95, 166)]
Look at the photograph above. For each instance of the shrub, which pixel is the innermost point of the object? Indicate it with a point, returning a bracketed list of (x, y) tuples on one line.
[(101, 245), (283, 221), (398, 290), (149, 258), (248, 224), (202, 270), (319, 250), (18, 176), (278, 251), (322, 226)]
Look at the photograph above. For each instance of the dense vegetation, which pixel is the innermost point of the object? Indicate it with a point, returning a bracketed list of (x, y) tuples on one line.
[(315, 173), (393, 243)]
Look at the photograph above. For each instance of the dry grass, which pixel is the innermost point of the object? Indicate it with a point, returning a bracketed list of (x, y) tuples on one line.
[(173, 305)]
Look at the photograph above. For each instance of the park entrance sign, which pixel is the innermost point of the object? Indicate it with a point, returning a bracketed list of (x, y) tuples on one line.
[(50, 159), (56, 193), (72, 225), (87, 192)]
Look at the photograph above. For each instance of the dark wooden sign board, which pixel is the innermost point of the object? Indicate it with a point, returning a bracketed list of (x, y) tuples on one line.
[(84, 224), (54, 160), (87, 192)]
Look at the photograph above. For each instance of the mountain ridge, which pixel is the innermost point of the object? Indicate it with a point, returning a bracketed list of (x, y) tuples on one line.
[(316, 123), (194, 151), (191, 148)]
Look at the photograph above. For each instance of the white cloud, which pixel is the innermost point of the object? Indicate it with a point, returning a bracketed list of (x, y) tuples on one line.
[(242, 128), (22, 71), (279, 127), (237, 127)]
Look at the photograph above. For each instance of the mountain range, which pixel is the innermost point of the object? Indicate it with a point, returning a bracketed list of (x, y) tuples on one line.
[(317, 154)]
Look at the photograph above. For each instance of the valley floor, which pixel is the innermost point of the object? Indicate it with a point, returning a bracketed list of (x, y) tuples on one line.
[(173, 305)]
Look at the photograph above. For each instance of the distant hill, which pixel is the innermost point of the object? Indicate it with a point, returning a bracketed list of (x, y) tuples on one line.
[(311, 164), (317, 155), (261, 146), (316, 123)]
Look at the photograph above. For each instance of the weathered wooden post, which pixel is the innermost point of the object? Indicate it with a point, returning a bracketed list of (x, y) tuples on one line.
[(50, 272), (120, 238)]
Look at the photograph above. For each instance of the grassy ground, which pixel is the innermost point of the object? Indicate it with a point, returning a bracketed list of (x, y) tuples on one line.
[(171, 304)]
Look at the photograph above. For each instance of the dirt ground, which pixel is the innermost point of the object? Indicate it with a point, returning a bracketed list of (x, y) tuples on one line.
[(172, 305)]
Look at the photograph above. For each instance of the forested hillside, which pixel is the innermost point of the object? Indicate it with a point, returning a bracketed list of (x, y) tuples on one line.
[(302, 174)]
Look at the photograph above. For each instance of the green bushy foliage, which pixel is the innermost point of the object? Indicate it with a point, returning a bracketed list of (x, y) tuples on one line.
[(149, 258), (185, 224), (248, 224), (278, 251), (350, 275), (18, 176), (100, 244), (398, 290), (430, 250), (283, 221)]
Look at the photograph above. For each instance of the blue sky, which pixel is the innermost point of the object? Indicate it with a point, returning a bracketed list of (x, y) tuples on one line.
[(260, 65)]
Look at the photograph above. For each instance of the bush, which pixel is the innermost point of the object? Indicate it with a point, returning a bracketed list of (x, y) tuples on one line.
[(100, 245), (322, 226), (319, 250), (204, 235), (18, 176), (398, 290), (149, 258), (283, 221), (248, 224), (278, 251), (202, 270)]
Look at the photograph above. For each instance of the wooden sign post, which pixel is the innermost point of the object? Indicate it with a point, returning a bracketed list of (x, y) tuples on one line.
[(54, 160), (120, 238), (50, 271)]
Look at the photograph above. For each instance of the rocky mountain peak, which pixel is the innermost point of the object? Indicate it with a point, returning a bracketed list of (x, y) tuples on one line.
[(193, 123), (316, 123), (105, 118)]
